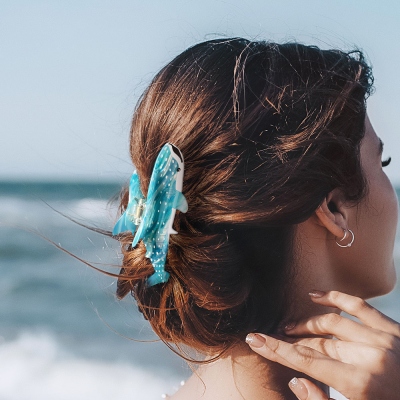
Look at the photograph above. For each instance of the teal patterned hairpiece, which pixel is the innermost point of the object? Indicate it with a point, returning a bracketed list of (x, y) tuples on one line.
[(152, 217)]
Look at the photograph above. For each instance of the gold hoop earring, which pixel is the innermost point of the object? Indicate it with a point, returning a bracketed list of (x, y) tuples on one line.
[(344, 237)]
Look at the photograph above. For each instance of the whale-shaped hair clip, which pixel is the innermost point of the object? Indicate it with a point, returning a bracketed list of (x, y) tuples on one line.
[(150, 219)]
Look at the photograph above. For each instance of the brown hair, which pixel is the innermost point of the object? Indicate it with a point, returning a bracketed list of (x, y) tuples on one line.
[(267, 131)]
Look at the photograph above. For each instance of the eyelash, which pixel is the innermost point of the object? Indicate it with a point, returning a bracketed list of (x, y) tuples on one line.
[(386, 162)]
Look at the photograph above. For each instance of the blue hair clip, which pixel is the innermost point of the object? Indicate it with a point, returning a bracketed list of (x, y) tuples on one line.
[(152, 218)]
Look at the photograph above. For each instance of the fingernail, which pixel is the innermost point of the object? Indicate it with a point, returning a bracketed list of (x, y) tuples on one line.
[(317, 293), (254, 340), (298, 388), (289, 326)]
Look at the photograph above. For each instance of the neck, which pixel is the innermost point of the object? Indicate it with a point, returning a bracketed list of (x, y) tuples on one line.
[(240, 375)]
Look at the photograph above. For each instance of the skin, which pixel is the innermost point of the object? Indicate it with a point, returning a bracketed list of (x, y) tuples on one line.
[(366, 269), (364, 363)]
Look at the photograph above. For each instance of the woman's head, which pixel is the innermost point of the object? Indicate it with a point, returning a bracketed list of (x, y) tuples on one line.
[(267, 132)]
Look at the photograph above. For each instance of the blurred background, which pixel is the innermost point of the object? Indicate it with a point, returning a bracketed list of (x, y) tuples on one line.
[(70, 75)]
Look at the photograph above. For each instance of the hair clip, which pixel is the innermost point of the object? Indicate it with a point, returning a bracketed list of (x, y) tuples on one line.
[(150, 219)]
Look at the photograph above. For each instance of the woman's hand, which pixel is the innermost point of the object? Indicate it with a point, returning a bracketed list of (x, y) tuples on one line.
[(362, 364)]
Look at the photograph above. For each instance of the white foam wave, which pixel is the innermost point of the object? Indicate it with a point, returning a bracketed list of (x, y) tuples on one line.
[(16, 211), (93, 209), (34, 366)]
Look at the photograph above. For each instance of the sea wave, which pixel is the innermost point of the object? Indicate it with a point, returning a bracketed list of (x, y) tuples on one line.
[(16, 211), (36, 367)]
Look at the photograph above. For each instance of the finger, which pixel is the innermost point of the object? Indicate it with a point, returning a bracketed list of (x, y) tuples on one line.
[(359, 308), (342, 328), (332, 372), (305, 390), (356, 354)]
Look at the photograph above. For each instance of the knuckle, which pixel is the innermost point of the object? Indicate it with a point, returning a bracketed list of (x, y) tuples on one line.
[(321, 345), (377, 361), (363, 379), (391, 342), (329, 320), (380, 356), (387, 341), (305, 356), (275, 346), (275, 350), (334, 295), (358, 305), (272, 356), (329, 348)]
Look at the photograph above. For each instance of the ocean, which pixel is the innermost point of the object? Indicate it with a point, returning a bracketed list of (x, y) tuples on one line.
[(63, 335)]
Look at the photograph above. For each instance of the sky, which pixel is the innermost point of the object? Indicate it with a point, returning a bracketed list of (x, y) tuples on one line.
[(71, 71)]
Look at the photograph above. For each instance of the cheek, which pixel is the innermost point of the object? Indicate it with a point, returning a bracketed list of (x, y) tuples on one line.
[(376, 231), (386, 215)]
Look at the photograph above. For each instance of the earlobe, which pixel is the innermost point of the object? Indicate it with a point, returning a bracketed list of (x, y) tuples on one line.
[(331, 219)]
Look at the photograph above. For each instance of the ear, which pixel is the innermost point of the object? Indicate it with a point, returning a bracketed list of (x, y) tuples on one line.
[(332, 214)]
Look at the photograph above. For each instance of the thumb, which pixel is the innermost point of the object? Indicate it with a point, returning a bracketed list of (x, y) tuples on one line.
[(305, 390)]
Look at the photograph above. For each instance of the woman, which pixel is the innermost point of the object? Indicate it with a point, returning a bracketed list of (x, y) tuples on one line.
[(282, 192)]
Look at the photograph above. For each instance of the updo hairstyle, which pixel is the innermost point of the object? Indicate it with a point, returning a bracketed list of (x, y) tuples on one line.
[(267, 131)]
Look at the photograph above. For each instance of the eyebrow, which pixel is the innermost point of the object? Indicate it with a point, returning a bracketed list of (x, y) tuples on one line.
[(380, 147)]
